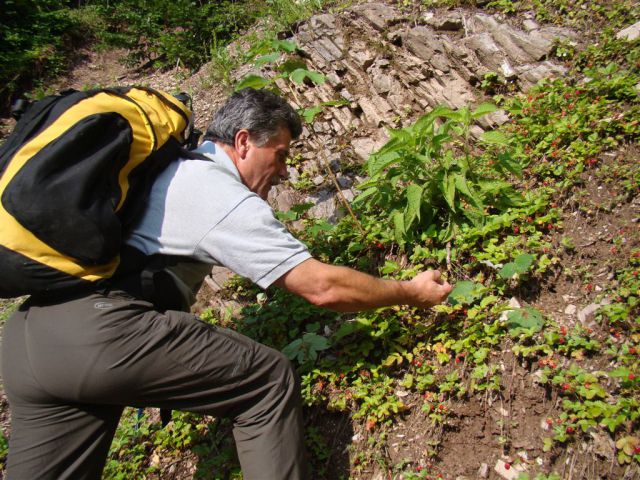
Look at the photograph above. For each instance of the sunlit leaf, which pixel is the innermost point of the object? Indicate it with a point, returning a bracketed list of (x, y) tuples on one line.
[(298, 76), (464, 292), (521, 319), (483, 109), (414, 202), (264, 59), (494, 137), (252, 81)]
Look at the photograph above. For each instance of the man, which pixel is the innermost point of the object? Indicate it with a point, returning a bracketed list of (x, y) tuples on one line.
[(70, 366)]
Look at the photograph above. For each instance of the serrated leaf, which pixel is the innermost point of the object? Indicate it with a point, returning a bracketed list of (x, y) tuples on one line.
[(264, 59), (494, 137), (448, 188), (316, 77), (291, 65), (298, 76), (398, 222), (527, 318), (309, 114), (484, 109), (414, 202), (506, 161), (252, 81), (464, 293), (463, 186), (367, 193), (620, 372), (523, 262), (292, 350), (316, 342), (284, 45), (378, 162)]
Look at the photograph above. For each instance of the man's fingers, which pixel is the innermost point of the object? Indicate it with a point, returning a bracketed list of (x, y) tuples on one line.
[(435, 275)]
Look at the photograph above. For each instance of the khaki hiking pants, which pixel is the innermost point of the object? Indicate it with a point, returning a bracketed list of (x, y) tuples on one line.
[(69, 369)]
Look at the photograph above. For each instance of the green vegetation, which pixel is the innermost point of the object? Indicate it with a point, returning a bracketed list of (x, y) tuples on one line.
[(39, 38), (489, 212)]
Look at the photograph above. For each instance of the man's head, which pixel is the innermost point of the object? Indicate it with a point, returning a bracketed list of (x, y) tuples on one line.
[(255, 128)]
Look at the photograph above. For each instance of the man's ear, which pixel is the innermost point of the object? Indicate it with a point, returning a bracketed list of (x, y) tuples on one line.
[(242, 143)]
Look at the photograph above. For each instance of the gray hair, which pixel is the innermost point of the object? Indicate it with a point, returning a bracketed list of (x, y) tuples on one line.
[(261, 112)]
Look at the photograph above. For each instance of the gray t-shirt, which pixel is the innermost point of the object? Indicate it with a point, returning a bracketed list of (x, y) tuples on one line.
[(201, 210)]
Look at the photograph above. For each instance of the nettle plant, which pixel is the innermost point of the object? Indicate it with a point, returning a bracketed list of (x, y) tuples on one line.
[(429, 177)]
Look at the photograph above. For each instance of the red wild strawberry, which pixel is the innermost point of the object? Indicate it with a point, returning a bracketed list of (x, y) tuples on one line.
[(516, 229), (632, 350), (565, 386), (507, 466), (636, 450), (563, 329), (632, 377), (549, 421), (561, 340), (569, 430), (589, 287)]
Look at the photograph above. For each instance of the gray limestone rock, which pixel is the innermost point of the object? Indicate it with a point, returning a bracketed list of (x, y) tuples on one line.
[(630, 33), (379, 15)]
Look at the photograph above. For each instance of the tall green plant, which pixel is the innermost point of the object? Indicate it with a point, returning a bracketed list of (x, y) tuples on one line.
[(428, 175)]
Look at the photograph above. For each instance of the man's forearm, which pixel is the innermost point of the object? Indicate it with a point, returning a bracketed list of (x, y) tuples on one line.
[(344, 289)]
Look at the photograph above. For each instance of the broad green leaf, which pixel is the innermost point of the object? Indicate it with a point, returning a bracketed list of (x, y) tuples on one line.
[(508, 271), (284, 45), (252, 81), (620, 372), (510, 164), (448, 188), (292, 350), (398, 222), (316, 342), (494, 137), (414, 202), (520, 266), (367, 193), (300, 208), (286, 216), (464, 293), (309, 114), (349, 327), (523, 262), (483, 109), (527, 318), (264, 59), (291, 65), (378, 162), (463, 186), (317, 77), (298, 76)]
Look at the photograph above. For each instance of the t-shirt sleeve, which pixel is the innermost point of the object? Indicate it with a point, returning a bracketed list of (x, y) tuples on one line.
[(253, 243)]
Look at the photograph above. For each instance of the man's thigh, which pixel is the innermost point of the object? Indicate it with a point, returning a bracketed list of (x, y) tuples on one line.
[(119, 351)]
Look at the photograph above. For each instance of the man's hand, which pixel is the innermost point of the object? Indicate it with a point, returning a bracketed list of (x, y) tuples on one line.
[(429, 289)]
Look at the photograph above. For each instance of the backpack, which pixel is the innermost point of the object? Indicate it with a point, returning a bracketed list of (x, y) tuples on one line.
[(72, 173)]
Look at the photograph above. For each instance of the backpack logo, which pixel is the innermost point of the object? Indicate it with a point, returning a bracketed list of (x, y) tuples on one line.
[(102, 305)]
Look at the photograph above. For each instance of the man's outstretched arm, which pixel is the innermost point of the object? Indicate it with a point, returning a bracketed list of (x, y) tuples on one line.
[(347, 290)]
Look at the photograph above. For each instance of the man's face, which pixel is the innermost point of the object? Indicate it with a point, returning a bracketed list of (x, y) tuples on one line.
[(262, 167)]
